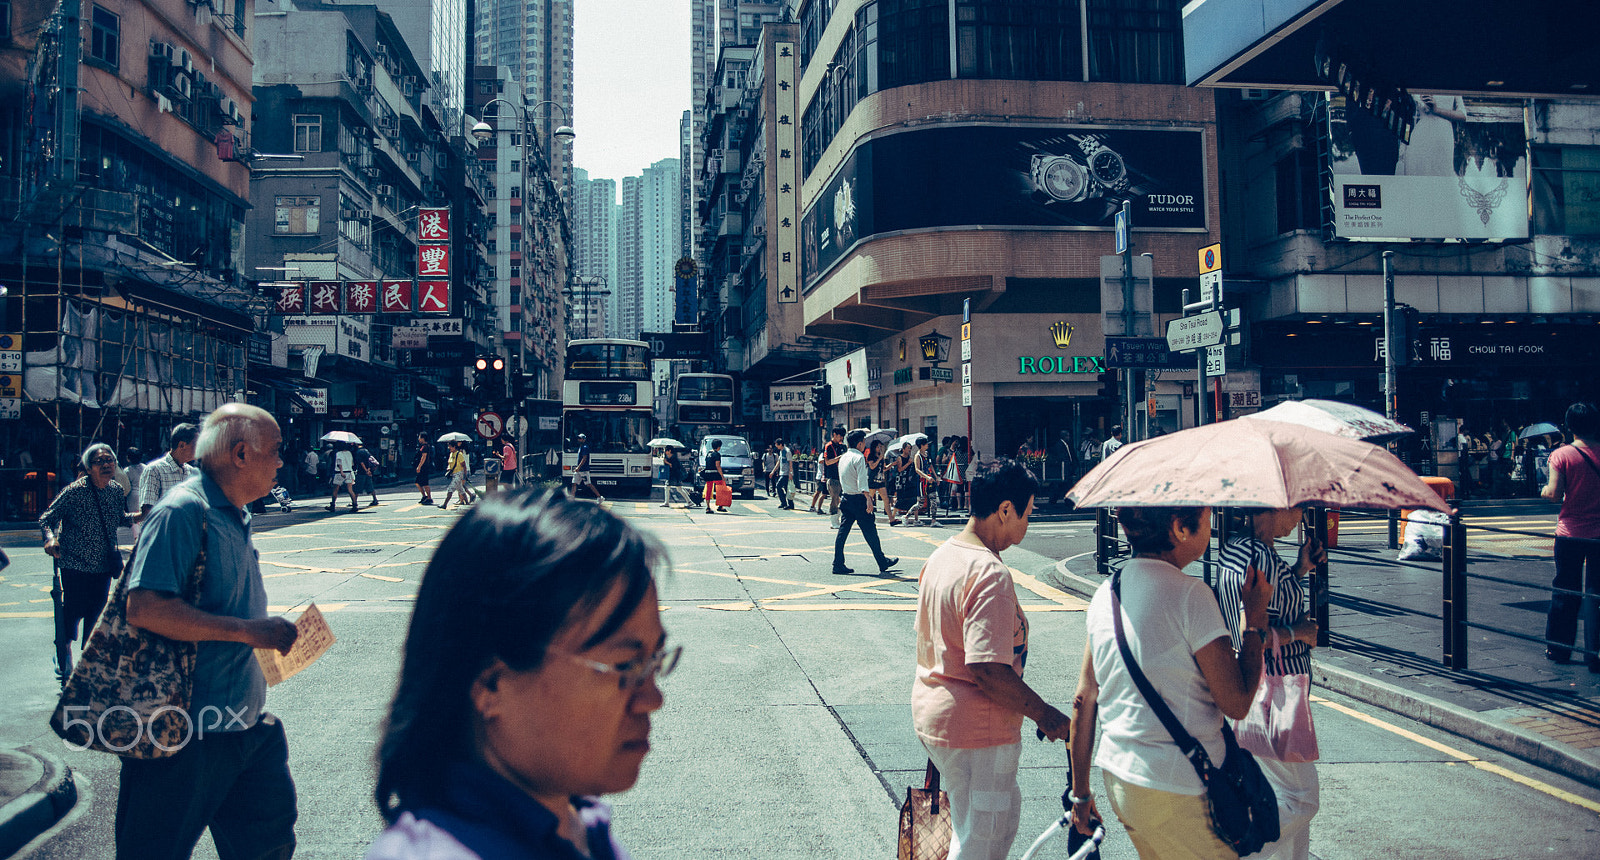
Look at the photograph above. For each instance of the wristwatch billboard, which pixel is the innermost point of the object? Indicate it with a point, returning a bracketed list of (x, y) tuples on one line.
[(1061, 178)]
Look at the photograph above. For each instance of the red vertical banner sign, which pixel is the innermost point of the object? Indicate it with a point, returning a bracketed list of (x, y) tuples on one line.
[(396, 297), (433, 261), (433, 297), (433, 226), (361, 297), (324, 298), (291, 300)]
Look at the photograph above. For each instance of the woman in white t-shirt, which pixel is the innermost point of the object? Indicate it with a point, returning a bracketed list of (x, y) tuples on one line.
[(1176, 634)]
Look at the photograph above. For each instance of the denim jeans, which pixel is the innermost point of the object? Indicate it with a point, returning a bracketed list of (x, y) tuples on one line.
[(236, 783)]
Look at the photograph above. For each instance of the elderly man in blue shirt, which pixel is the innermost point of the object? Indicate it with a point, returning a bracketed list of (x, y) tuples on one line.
[(233, 774), (853, 505)]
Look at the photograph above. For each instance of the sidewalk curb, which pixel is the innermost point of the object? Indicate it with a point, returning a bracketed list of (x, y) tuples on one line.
[(1526, 745), (36, 810)]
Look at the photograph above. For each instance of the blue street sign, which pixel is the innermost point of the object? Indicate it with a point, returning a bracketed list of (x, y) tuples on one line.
[(1147, 352), (1122, 231)]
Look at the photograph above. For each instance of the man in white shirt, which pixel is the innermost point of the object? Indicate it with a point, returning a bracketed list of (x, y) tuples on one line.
[(172, 469), (1111, 445), (344, 477), (853, 505)]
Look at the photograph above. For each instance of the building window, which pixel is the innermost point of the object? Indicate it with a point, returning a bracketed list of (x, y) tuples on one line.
[(1298, 206), (307, 132), (1135, 41), (5, 19), (105, 41), (1029, 40), (516, 192), (1566, 190), (297, 214)]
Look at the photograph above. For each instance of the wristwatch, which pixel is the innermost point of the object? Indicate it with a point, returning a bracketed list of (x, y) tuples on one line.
[(1106, 167), (1060, 178), (1259, 631)]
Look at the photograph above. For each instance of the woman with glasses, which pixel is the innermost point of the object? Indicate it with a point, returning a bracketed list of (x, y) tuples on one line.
[(80, 532), (527, 683)]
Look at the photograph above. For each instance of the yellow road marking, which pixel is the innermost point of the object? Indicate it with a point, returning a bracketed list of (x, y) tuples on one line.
[(382, 578), (1048, 592), (1490, 767), (40, 600), (754, 507), (325, 607), (27, 614), (827, 589), (13, 603)]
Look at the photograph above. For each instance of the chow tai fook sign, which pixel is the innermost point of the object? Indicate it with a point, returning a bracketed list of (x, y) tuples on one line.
[(847, 377), (1461, 173)]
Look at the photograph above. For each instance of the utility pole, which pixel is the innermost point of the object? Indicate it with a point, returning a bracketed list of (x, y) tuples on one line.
[(1128, 316), (1392, 339)]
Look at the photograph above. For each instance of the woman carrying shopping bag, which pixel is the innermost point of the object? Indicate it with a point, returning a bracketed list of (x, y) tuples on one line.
[(1287, 668)]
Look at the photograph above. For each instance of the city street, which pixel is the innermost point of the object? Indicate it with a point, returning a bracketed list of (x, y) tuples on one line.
[(786, 731)]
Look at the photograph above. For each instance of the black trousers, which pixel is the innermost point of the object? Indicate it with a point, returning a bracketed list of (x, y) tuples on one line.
[(853, 511), (782, 483), (236, 783), (1573, 556), (83, 597)]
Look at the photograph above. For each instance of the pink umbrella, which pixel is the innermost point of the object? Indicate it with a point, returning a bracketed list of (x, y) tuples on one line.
[(1258, 464)]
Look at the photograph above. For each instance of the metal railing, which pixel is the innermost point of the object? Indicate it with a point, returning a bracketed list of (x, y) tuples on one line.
[(1457, 578)]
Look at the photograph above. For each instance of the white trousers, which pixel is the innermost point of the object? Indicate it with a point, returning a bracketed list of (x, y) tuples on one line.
[(1299, 797), (985, 801)]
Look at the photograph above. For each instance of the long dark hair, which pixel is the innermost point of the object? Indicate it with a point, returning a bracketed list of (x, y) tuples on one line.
[(506, 579)]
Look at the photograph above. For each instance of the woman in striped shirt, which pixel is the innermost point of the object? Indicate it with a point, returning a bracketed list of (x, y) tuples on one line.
[(1255, 530)]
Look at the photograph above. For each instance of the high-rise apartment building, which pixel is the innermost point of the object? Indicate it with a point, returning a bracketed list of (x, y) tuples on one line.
[(711, 28), (649, 242), (533, 38), (436, 33), (594, 240)]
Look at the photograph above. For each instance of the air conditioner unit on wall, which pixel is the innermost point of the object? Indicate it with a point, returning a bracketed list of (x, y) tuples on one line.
[(185, 60), (1256, 95), (414, 157), (385, 190)]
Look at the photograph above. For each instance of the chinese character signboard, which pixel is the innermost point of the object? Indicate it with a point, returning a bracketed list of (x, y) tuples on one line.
[(409, 337), (789, 398), (433, 297), (433, 225), (324, 298), (396, 297), (433, 261), (361, 297), (787, 228), (291, 300)]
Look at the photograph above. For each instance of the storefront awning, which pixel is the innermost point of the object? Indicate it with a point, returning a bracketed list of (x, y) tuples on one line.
[(1538, 48)]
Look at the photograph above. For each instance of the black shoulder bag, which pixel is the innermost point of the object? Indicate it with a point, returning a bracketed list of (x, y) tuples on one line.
[(1243, 806)]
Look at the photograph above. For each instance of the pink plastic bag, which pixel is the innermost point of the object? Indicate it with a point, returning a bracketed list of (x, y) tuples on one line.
[(1279, 724)]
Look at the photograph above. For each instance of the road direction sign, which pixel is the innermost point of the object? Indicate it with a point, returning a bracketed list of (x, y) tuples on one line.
[(1146, 352), (490, 424), (1216, 360), (1190, 333)]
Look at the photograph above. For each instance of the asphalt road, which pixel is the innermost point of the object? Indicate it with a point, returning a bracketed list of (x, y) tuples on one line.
[(786, 732)]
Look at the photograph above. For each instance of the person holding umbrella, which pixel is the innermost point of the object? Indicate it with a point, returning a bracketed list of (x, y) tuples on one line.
[(1176, 633), (344, 476), (458, 471)]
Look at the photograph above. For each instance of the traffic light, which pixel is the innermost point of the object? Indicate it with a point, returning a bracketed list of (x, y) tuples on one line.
[(497, 377), (821, 401), (480, 374)]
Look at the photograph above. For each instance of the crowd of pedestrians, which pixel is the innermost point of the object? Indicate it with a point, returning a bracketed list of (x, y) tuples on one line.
[(530, 670)]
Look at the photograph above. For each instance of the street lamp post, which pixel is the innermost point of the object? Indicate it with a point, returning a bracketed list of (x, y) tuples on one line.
[(483, 130), (587, 290)]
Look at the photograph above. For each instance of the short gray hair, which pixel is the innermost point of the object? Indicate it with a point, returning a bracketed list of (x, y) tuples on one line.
[(89, 452), (229, 425)]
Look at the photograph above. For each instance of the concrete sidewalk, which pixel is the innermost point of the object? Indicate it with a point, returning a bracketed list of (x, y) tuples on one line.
[(36, 791), (1387, 651)]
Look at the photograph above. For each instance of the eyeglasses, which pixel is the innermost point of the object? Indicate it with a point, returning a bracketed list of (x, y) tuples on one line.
[(632, 674), (103, 461)]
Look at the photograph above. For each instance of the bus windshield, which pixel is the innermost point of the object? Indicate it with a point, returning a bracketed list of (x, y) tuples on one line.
[(608, 361), (717, 389), (608, 432)]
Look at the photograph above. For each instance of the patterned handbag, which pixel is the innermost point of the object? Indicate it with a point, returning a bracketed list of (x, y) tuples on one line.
[(129, 694), (925, 821)]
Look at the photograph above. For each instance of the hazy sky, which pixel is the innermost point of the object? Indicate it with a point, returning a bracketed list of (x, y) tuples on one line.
[(631, 83)]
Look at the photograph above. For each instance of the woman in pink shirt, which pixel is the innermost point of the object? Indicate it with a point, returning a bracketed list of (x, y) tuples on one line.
[(1575, 483)]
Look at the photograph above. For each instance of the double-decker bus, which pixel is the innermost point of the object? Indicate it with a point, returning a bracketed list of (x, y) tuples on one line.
[(702, 404), (607, 396)]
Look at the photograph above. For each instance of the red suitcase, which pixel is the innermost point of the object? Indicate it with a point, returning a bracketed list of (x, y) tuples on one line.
[(724, 495)]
